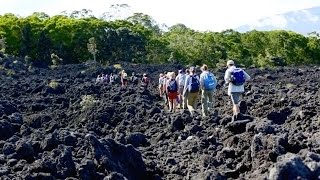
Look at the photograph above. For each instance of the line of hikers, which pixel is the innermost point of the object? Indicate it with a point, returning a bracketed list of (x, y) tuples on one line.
[(124, 79), (184, 88)]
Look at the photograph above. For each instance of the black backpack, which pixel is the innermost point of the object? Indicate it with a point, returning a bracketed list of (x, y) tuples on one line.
[(195, 84)]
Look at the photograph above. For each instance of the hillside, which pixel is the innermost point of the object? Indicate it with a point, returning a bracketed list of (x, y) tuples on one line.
[(58, 124)]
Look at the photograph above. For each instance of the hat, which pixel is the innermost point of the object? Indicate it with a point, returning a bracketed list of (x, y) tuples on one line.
[(230, 62)]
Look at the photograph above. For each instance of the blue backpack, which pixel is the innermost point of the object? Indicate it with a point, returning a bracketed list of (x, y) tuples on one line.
[(237, 77), (209, 82), (195, 84), (172, 86)]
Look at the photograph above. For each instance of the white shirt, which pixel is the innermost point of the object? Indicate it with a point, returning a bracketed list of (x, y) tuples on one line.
[(181, 78), (233, 88)]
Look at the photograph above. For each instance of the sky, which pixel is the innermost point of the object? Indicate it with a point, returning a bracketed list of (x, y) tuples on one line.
[(202, 15)]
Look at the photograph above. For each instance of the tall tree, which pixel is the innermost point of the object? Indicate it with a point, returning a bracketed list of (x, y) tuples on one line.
[(26, 41), (43, 49)]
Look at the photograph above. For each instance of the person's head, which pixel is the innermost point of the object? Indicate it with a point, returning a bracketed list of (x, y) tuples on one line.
[(192, 70), (171, 75), (145, 75), (161, 75), (133, 73), (230, 63), (187, 71), (98, 75), (180, 71), (204, 67)]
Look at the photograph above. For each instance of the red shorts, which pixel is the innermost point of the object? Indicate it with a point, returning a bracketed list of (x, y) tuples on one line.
[(172, 95)]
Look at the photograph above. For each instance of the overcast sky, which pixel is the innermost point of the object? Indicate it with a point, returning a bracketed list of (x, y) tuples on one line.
[(213, 15)]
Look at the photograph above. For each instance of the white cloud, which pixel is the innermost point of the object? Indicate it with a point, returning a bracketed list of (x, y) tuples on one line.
[(215, 15), (310, 17), (277, 21)]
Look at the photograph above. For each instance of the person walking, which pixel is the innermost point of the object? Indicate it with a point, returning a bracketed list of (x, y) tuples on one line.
[(208, 83), (145, 81), (172, 91), (235, 79), (191, 90), (181, 78), (161, 85), (124, 79)]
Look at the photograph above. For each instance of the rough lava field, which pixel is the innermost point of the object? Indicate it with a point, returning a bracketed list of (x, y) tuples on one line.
[(59, 124)]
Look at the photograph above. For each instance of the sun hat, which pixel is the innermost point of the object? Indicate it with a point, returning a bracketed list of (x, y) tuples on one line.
[(230, 62)]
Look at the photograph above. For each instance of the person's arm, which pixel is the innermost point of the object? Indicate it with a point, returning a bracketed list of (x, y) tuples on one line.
[(215, 80), (186, 85), (201, 81), (247, 77), (227, 76), (177, 79), (167, 84)]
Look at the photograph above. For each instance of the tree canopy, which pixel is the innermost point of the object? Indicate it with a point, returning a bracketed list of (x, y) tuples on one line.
[(140, 39)]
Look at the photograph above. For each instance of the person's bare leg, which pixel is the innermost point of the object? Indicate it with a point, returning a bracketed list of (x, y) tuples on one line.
[(170, 104), (237, 109)]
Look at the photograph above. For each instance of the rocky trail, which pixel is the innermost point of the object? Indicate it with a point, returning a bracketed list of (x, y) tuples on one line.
[(59, 124)]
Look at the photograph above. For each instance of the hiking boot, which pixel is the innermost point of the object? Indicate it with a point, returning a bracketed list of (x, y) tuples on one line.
[(234, 118), (240, 116)]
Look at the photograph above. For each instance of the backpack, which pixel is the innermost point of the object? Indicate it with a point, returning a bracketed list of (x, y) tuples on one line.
[(145, 81), (134, 79), (172, 86), (237, 77), (195, 84), (111, 78), (209, 82)]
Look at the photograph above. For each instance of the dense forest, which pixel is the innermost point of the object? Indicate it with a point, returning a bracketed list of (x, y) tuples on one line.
[(77, 38)]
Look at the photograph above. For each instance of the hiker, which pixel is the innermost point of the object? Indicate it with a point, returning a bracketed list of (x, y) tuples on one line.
[(111, 78), (172, 90), (191, 90), (124, 79), (106, 79), (235, 78), (98, 79), (134, 79), (161, 84), (145, 81), (208, 83), (187, 72), (165, 79), (181, 78)]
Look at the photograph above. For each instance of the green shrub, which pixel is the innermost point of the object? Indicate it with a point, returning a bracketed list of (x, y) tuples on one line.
[(53, 84), (10, 72), (88, 101)]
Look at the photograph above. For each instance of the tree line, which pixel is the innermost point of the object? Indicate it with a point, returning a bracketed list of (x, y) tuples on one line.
[(139, 39)]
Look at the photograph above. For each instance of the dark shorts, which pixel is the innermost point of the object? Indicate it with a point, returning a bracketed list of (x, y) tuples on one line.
[(172, 95), (235, 97)]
